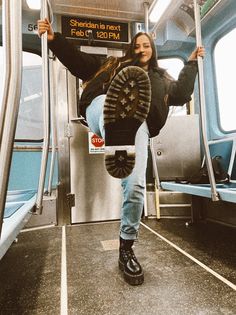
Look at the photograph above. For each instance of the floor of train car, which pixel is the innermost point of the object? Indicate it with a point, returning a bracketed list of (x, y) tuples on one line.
[(30, 272)]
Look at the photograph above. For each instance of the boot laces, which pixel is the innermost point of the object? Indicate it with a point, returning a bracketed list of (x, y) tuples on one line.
[(128, 254)]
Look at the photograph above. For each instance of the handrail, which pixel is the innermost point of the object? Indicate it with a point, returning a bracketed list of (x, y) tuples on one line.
[(232, 158), (45, 93), (214, 193), (223, 139), (53, 124), (7, 70), (157, 183), (52, 111), (12, 98), (173, 6), (145, 6)]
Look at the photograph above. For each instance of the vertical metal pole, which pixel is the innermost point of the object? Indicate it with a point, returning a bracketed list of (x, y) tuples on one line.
[(146, 6), (45, 93), (53, 123), (156, 177), (157, 181), (6, 62), (214, 193), (12, 98)]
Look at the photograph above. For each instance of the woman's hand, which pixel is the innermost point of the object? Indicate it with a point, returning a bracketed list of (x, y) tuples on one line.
[(45, 26), (198, 52)]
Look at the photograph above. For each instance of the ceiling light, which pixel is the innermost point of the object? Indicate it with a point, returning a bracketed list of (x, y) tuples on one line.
[(158, 10), (34, 4)]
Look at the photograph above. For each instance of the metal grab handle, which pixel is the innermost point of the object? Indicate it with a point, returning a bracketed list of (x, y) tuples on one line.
[(214, 194), (46, 114), (7, 70), (156, 179), (13, 18), (52, 111), (53, 124)]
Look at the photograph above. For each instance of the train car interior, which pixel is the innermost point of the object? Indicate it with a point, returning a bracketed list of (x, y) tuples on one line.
[(59, 207)]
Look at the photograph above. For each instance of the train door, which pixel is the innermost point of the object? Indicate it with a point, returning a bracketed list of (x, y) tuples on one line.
[(97, 194)]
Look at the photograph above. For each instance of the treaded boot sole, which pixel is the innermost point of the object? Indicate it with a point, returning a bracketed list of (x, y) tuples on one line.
[(126, 107), (131, 279)]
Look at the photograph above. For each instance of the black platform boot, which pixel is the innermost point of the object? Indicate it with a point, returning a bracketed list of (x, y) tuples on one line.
[(128, 263)]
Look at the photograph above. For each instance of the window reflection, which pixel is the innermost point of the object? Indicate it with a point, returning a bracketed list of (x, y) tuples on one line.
[(225, 63)]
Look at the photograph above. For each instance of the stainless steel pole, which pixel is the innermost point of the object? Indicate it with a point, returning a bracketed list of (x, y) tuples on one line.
[(6, 56), (214, 194), (146, 6), (157, 184), (12, 98), (53, 123), (45, 93)]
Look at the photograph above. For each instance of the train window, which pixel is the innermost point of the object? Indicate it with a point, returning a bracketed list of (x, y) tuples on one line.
[(30, 117), (225, 64), (173, 67)]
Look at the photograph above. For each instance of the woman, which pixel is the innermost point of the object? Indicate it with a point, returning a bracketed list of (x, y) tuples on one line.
[(125, 101)]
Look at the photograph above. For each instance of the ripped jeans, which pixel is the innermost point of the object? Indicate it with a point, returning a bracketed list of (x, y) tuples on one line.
[(134, 185)]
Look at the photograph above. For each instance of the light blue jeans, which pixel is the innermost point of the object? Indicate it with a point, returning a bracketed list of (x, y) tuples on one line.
[(134, 185)]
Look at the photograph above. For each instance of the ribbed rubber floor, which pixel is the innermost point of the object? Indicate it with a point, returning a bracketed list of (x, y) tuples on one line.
[(30, 271)]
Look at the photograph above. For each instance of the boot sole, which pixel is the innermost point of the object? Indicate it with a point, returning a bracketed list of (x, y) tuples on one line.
[(126, 108), (131, 279)]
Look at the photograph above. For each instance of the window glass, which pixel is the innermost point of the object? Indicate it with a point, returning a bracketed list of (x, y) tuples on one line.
[(225, 63), (173, 67), (30, 117)]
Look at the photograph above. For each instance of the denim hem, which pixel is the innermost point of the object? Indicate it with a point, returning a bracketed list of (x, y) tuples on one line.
[(126, 236)]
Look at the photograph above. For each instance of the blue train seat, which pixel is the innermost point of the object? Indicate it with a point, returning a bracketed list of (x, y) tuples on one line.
[(17, 212), (178, 157)]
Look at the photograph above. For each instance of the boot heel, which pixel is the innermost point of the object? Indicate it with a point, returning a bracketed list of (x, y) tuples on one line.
[(128, 263), (134, 280), (120, 163), (121, 266)]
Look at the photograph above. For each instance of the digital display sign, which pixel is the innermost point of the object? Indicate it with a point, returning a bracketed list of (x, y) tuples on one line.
[(81, 28)]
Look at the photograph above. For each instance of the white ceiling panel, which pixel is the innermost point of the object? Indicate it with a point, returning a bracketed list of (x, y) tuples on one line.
[(126, 10)]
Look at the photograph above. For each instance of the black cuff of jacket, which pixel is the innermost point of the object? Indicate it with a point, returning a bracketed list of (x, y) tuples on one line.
[(56, 36), (191, 62)]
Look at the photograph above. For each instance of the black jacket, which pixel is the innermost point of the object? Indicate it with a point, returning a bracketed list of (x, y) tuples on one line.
[(165, 91)]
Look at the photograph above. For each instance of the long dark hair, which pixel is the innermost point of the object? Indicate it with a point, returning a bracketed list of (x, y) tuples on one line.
[(130, 53), (115, 64)]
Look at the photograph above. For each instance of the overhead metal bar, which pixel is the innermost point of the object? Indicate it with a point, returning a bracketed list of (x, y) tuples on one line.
[(12, 19), (152, 5), (46, 112), (207, 6), (173, 6), (214, 193)]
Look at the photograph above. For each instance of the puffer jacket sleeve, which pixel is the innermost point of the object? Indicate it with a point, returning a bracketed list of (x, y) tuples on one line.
[(180, 91), (79, 63)]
